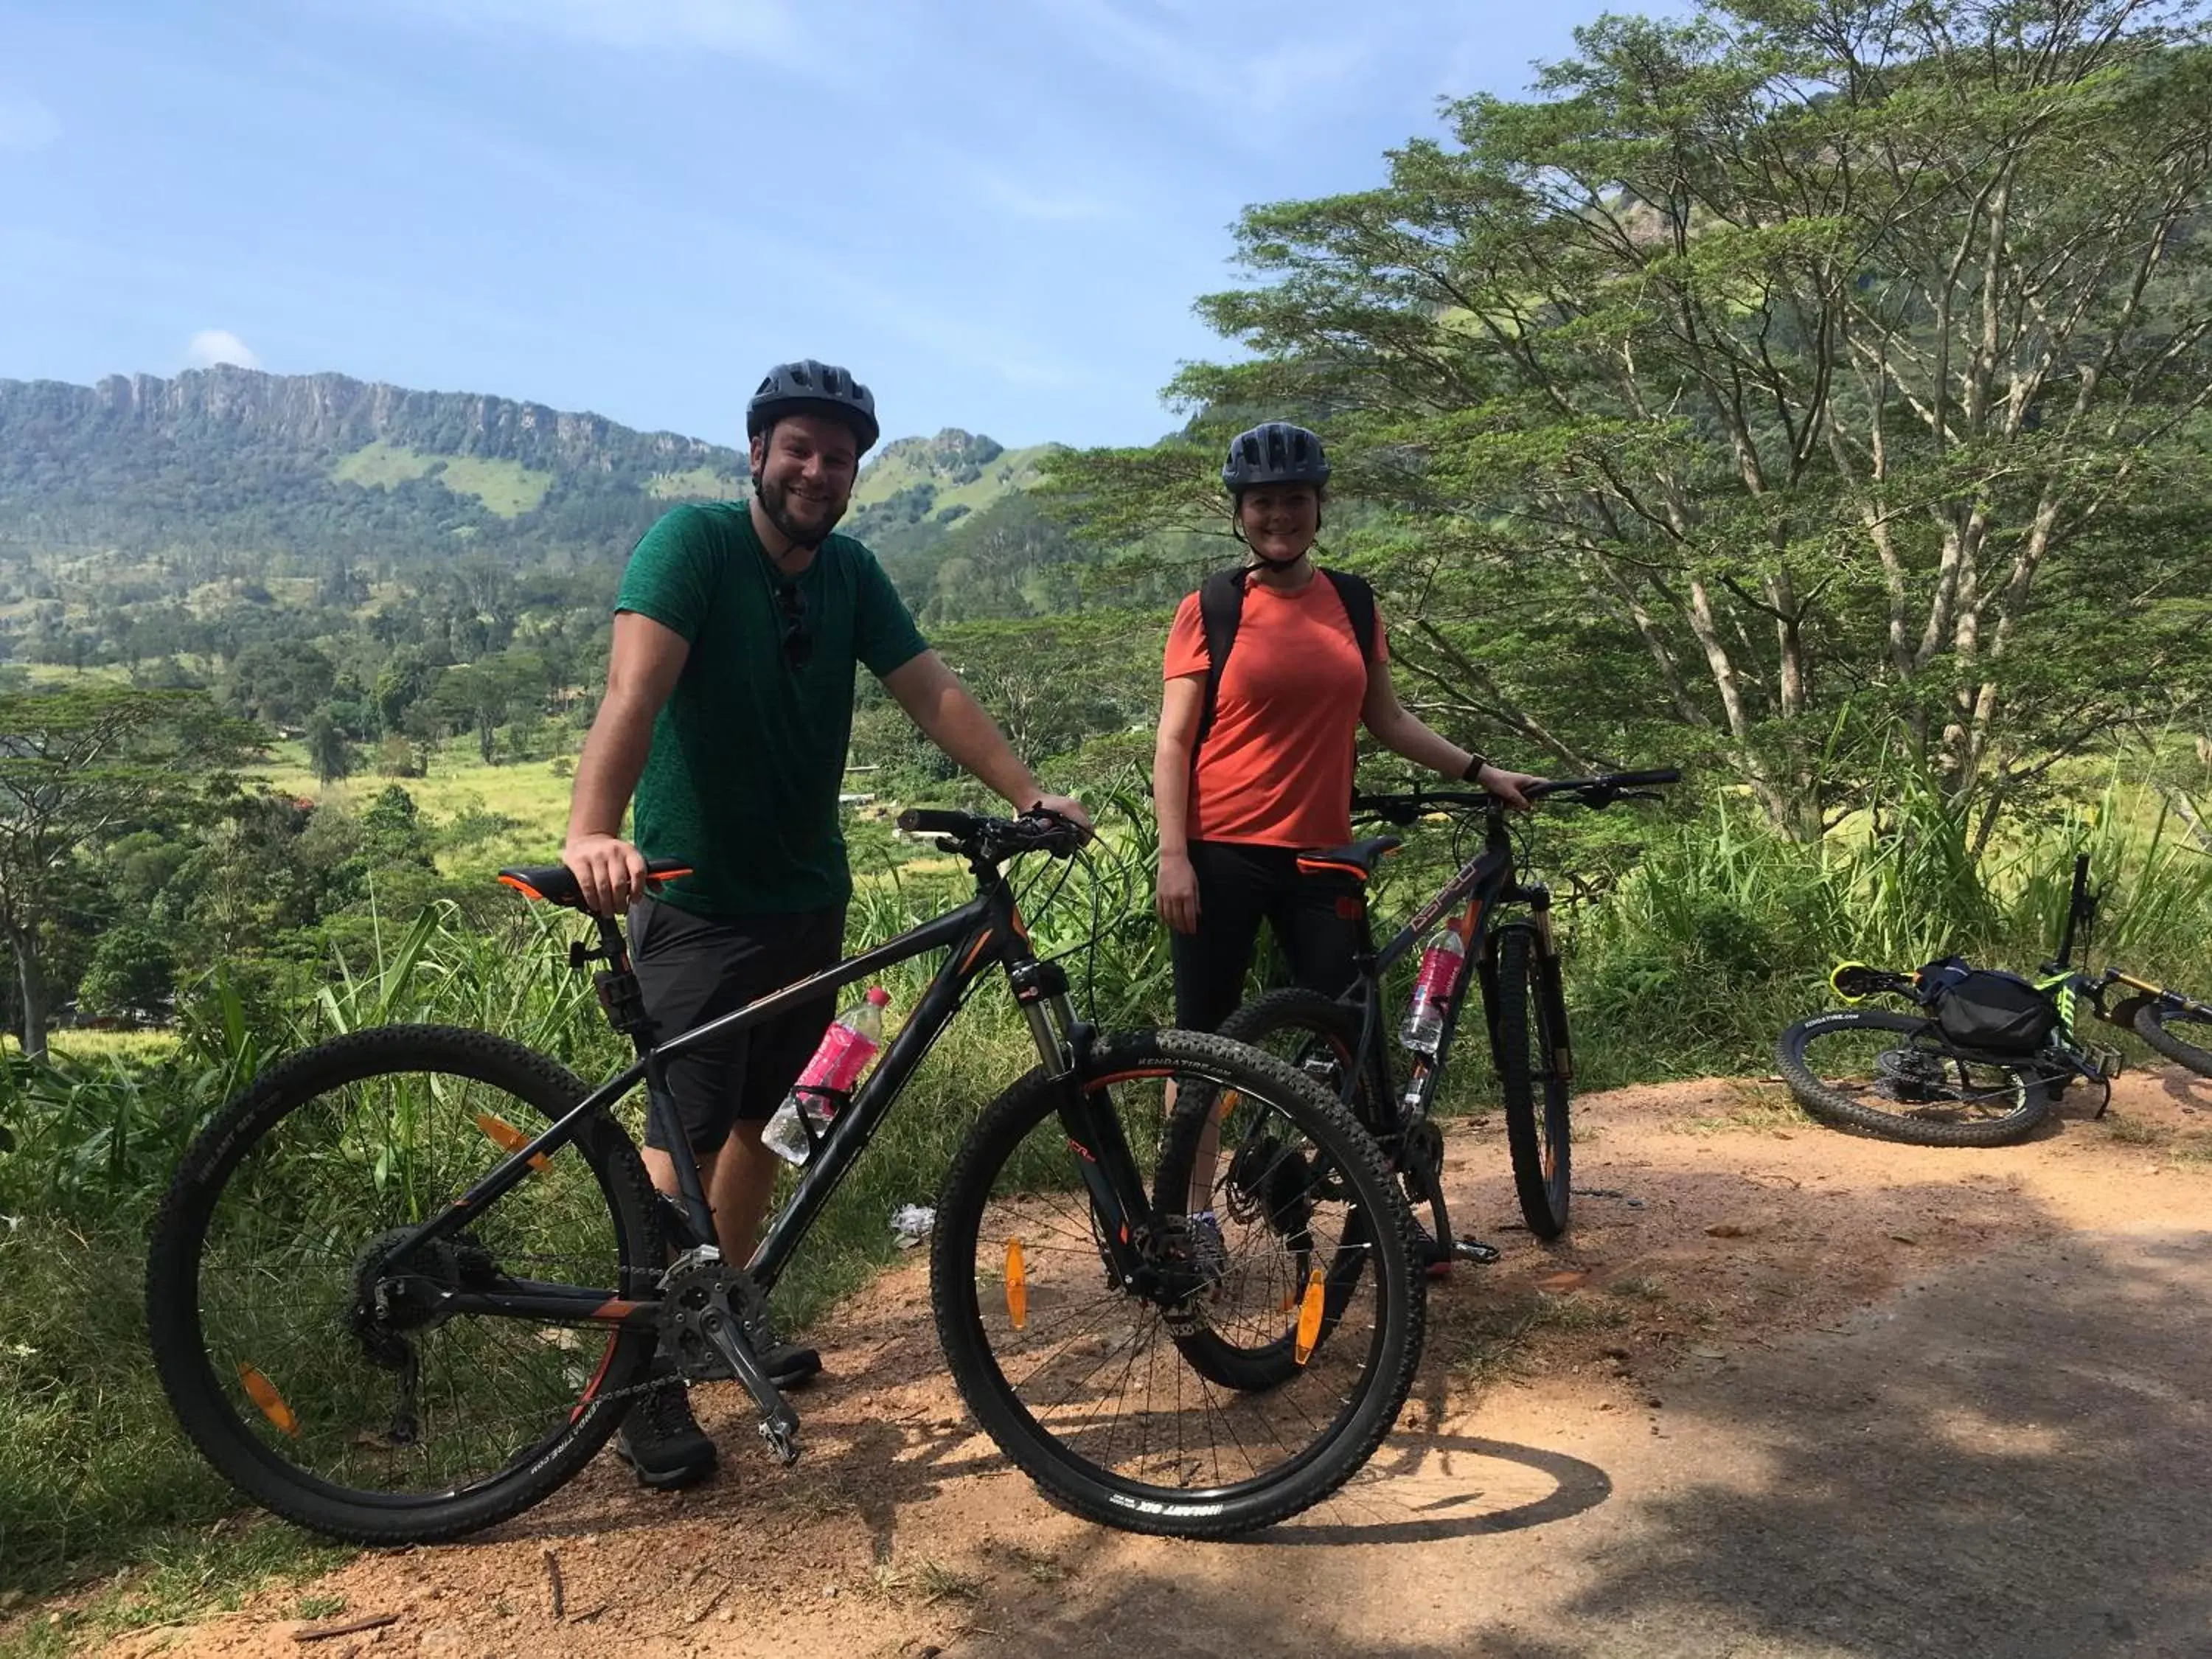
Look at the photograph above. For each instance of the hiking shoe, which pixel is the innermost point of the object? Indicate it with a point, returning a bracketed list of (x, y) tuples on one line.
[(660, 1439), (790, 1366)]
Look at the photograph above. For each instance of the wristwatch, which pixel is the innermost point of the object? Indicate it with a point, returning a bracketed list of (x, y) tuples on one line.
[(1475, 767)]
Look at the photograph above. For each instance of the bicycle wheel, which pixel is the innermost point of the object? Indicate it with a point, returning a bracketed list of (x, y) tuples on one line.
[(1316, 1036), (1890, 1075), (1531, 1040), (2182, 1032), (1086, 1385), (316, 1374)]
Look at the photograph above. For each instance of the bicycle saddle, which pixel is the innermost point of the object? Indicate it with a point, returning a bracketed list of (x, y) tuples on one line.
[(1358, 859), (556, 884)]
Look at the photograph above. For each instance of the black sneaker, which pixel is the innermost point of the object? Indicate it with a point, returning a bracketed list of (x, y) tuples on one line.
[(661, 1440), (790, 1366)]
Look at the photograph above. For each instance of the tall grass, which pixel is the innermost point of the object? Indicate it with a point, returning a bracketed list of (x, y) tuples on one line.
[(1706, 935), (1722, 933), (91, 1465)]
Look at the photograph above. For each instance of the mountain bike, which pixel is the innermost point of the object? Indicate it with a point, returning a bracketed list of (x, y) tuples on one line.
[(1344, 1042), (1911, 1077), (407, 1282), (2157, 1016)]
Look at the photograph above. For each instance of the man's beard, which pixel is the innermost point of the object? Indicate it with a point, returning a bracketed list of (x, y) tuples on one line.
[(775, 499)]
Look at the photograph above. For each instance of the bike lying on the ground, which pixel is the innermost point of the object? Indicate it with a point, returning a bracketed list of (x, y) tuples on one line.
[(407, 1283), (1348, 1043), (1988, 1054)]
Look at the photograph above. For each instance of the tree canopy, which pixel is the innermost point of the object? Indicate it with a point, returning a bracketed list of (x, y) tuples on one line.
[(1799, 385)]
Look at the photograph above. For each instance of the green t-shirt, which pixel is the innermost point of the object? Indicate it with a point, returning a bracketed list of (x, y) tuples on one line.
[(742, 779)]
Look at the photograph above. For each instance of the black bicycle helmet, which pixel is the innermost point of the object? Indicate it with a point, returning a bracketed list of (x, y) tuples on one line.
[(808, 387), (1277, 452)]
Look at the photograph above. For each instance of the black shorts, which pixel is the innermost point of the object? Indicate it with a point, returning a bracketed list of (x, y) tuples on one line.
[(692, 968), (1319, 920)]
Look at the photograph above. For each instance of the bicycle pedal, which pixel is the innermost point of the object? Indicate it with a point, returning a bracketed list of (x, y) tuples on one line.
[(1468, 1249), (782, 1441)]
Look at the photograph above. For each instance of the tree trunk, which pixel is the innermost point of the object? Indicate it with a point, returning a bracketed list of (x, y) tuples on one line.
[(35, 992)]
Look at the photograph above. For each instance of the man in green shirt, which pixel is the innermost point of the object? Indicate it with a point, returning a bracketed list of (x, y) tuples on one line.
[(728, 710)]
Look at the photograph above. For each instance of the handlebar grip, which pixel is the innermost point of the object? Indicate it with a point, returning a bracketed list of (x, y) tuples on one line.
[(1635, 779), (935, 821)]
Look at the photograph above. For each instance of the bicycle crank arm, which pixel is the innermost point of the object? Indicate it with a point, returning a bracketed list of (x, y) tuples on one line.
[(779, 1423)]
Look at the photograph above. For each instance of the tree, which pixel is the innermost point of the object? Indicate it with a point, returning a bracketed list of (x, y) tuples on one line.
[(77, 767), (132, 974), (280, 682), (328, 752), (1845, 363)]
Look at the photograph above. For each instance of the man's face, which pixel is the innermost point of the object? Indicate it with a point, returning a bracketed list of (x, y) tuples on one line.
[(805, 465)]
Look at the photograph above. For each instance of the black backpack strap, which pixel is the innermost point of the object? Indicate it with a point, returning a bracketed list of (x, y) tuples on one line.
[(1359, 601), (1220, 609)]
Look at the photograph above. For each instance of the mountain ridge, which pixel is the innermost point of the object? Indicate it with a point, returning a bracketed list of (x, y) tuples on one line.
[(323, 466)]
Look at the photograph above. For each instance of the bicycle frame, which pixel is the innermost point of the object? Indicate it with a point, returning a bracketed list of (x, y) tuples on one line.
[(1482, 884), (2068, 985), (986, 932)]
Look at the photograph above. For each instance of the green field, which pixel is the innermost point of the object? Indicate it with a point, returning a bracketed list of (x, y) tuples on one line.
[(458, 783), (507, 487)]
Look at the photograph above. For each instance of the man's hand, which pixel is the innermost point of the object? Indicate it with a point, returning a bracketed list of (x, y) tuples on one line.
[(609, 869), (1177, 890), (1066, 806), (1508, 785)]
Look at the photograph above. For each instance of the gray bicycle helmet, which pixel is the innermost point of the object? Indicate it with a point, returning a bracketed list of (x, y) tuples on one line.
[(808, 387), (1276, 453)]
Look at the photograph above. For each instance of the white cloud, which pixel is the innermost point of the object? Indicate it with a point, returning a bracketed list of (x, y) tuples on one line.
[(211, 346), (1179, 53), (27, 125), (741, 29)]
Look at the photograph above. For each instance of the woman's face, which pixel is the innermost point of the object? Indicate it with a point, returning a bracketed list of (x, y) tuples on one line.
[(1280, 520)]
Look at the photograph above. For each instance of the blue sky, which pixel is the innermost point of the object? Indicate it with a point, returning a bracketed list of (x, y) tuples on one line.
[(996, 212)]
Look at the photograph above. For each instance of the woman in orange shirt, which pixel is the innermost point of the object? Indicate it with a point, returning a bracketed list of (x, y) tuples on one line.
[(1274, 773)]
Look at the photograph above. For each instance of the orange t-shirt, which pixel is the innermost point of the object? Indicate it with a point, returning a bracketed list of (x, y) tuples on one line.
[(1276, 769)]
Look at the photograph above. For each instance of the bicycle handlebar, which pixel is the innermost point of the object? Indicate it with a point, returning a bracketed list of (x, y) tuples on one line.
[(1596, 792), (996, 839)]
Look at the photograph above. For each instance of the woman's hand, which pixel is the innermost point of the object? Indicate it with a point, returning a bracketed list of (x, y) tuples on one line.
[(1508, 785), (1178, 892)]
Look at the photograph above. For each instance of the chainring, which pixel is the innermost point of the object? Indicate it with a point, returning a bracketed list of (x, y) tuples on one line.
[(693, 1294)]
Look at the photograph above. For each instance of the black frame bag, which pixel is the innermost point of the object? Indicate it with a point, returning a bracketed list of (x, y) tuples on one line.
[(1989, 1010)]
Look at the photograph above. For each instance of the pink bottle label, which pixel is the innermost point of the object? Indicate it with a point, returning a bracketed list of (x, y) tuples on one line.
[(844, 1055), (1440, 974)]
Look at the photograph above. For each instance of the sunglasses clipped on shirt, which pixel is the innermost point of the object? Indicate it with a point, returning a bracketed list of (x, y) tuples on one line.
[(798, 642)]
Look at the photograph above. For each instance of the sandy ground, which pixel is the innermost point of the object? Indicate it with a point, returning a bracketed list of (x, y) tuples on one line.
[(1781, 1392)]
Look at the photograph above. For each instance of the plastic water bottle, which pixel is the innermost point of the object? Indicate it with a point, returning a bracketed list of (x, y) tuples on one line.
[(1439, 977), (847, 1048)]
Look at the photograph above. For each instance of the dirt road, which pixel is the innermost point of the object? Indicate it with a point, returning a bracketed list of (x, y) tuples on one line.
[(1783, 1392)]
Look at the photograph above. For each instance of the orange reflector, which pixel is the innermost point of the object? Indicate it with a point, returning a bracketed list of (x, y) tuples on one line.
[(1301, 1346), (1018, 1286), (263, 1393), (1231, 1100), (507, 1136)]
